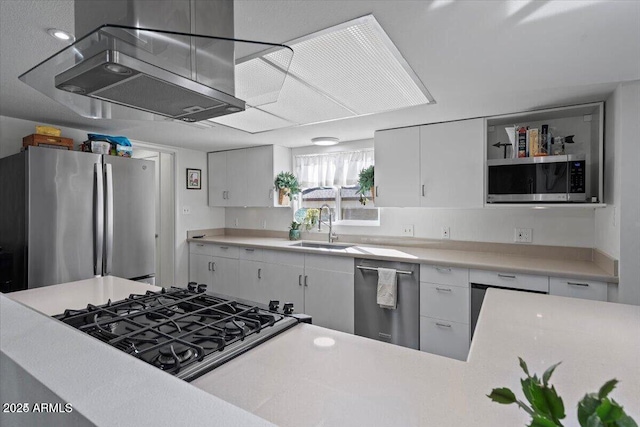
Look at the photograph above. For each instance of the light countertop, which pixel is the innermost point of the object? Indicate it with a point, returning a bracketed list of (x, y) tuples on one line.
[(569, 268), (296, 382), (295, 379)]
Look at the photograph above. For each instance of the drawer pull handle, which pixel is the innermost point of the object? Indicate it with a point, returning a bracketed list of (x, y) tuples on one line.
[(249, 250), (199, 244), (443, 269), (213, 266), (422, 190), (443, 289), (300, 280), (578, 284), (444, 325), (259, 273), (506, 276), (224, 247), (209, 266), (305, 281)]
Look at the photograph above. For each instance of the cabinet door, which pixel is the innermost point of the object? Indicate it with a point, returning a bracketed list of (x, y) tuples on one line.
[(249, 278), (259, 164), (200, 269), (397, 160), (328, 299), (217, 178), (237, 174), (443, 337), (283, 283), (451, 166), (225, 276)]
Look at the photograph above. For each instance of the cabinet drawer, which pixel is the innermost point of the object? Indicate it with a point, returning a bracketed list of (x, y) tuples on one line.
[(510, 280), (250, 254), (283, 258), (444, 275), (576, 288), (328, 262), (444, 302), (225, 251), (443, 337), (200, 248)]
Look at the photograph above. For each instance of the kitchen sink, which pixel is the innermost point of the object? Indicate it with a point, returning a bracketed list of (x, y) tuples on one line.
[(327, 246)]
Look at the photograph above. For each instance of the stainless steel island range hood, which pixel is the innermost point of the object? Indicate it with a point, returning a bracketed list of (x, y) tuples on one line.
[(139, 59)]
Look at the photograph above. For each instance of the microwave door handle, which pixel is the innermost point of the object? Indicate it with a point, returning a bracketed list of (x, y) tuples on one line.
[(98, 218), (109, 219)]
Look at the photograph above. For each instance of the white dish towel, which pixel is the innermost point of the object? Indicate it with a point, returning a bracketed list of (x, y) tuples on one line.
[(387, 288)]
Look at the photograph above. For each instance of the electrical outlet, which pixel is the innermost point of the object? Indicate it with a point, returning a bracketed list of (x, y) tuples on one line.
[(523, 235), (237, 222), (407, 230), (186, 210), (445, 232)]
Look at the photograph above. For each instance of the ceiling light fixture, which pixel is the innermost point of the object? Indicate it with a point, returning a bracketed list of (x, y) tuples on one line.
[(325, 140), (61, 35)]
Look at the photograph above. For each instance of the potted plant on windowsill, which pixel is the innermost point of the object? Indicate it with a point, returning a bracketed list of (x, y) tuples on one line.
[(365, 183), (287, 185)]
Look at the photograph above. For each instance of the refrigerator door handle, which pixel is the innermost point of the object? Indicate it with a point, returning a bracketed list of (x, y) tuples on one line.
[(108, 259), (98, 208)]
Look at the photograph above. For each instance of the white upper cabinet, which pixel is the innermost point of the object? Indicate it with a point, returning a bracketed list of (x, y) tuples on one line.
[(245, 177), (217, 173), (451, 166), (438, 166), (397, 167)]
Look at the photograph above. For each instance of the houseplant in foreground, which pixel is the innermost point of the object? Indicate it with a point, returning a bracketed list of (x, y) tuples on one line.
[(287, 185), (547, 408), (365, 183)]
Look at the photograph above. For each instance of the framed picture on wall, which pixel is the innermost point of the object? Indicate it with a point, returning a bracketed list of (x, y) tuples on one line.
[(194, 179)]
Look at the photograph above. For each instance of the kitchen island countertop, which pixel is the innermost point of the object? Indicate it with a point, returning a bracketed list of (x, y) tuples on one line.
[(314, 376)]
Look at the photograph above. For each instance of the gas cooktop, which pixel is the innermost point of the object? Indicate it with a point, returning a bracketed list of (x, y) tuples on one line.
[(185, 332)]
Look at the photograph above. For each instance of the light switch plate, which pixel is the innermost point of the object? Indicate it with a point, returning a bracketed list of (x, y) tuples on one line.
[(523, 235), (407, 230)]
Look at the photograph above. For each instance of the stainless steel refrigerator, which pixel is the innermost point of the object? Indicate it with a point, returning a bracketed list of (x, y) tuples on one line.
[(69, 215)]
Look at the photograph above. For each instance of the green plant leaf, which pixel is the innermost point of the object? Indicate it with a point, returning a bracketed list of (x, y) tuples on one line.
[(547, 374), (594, 421), (523, 365), (609, 411), (607, 388), (540, 421), (586, 407), (546, 401), (526, 388), (502, 395), (626, 421)]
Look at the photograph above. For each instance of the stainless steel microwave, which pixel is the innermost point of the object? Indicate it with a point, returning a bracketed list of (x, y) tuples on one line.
[(538, 179)]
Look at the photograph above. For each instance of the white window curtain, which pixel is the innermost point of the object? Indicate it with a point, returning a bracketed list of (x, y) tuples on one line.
[(329, 169)]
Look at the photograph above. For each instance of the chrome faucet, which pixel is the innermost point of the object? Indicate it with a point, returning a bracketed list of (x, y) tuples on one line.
[(331, 236)]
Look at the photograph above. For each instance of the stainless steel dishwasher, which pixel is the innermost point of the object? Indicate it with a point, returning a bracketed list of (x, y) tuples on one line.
[(400, 326)]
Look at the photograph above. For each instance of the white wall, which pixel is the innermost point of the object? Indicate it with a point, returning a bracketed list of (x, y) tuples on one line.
[(628, 143), (202, 216)]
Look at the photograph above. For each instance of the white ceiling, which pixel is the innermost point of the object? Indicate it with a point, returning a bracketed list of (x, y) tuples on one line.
[(477, 58)]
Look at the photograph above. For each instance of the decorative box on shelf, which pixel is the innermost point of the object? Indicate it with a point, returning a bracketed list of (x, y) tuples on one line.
[(49, 141)]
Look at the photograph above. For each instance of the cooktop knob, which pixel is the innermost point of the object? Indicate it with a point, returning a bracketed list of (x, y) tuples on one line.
[(192, 286), (273, 305), (288, 308), (202, 288)]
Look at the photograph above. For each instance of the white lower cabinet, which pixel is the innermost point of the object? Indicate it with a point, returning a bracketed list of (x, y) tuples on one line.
[(318, 285), (576, 288), (444, 337), (444, 311)]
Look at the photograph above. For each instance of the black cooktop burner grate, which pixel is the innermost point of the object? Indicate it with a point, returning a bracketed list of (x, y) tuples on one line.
[(172, 328)]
